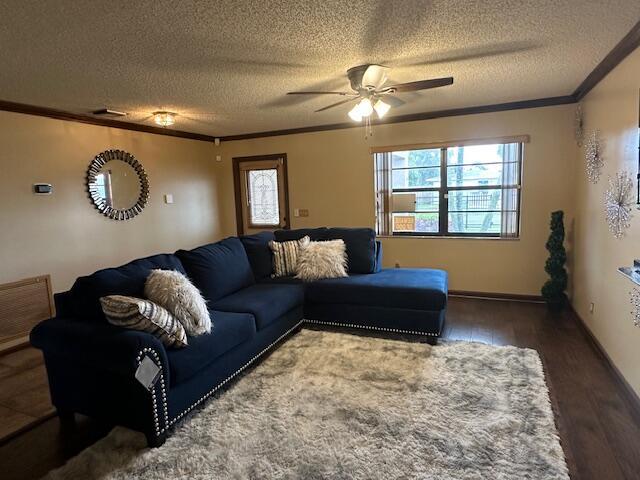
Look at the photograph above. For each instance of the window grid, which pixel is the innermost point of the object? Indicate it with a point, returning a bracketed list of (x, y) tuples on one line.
[(445, 190)]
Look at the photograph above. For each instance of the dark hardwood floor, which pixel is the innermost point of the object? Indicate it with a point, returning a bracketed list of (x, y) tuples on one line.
[(24, 397), (598, 421)]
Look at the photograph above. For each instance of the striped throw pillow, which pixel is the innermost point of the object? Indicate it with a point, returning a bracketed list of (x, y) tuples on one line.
[(285, 256), (146, 316)]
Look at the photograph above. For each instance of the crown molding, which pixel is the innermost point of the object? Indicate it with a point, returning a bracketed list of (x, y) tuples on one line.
[(628, 44), (414, 117), (102, 122)]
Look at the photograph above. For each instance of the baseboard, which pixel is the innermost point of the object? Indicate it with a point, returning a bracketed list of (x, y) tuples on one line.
[(497, 296), (27, 427), (630, 393)]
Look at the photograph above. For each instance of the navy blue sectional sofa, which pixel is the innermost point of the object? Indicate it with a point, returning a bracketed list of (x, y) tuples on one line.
[(92, 365)]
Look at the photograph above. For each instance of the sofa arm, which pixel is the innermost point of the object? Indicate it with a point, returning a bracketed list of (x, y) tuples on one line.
[(378, 266), (100, 345)]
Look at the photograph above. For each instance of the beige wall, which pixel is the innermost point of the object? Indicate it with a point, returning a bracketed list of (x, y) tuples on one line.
[(612, 107), (63, 234), (331, 174)]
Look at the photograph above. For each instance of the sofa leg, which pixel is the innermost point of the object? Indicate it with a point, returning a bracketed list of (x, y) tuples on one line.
[(431, 340), (155, 441)]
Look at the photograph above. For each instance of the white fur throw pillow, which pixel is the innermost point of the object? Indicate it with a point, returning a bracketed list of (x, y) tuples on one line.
[(173, 291), (317, 260)]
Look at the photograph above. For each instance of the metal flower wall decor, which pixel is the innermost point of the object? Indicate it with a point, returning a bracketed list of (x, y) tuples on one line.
[(578, 122), (618, 201), (593, 157)]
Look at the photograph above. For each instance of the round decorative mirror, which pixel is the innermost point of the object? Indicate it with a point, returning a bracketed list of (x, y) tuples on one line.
[(117, 184)]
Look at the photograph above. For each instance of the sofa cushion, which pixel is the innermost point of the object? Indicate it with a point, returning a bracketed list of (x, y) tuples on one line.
[(126, 280), (266, 302), (314, 234), (361, 247), (231, 330), (218, 269), (416, 289), (259, 253), (290, 280)]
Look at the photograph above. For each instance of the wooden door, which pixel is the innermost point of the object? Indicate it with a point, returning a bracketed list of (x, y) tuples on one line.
[(261, 190)]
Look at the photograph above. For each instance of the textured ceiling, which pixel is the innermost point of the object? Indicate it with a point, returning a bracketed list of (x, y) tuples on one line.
[(225, 66)]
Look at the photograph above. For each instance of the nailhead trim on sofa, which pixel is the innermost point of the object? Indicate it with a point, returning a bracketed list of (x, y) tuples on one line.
[(168, 423), (150, 351), (367, 327)]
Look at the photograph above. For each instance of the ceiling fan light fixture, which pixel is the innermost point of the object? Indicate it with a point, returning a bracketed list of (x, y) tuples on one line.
[(381, 108), (364, 107), (164, 119), (354, 114)]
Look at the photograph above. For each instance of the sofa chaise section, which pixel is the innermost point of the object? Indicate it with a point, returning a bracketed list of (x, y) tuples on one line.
[(402, 300), (399, 300)]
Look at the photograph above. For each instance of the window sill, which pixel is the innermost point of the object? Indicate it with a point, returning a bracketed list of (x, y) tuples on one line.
[(450, 237)]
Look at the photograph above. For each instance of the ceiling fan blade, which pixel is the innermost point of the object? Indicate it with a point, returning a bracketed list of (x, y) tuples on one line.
[(471, 53), (342, 102), (393, 101), (421, 85), (318, 93), (374, 76)]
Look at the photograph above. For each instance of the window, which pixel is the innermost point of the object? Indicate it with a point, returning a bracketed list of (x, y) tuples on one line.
[(261, 193), (263, 197), (450, 190)]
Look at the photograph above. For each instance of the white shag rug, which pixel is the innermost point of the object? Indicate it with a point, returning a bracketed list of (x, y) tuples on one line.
[(333, 405)]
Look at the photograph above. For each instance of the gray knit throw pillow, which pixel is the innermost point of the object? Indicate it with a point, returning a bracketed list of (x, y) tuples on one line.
[(146, 316), (285, 256)]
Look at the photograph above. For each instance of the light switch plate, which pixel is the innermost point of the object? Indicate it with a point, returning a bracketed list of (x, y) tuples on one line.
[(168, 198)]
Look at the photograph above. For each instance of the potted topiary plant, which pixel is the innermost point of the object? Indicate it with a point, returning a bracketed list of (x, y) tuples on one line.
[(553, 291)]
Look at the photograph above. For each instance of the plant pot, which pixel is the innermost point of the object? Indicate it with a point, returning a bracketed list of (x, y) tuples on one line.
[(556, 306)]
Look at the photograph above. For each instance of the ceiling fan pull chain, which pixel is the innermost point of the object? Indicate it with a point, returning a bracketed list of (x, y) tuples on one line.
[(368, 129)]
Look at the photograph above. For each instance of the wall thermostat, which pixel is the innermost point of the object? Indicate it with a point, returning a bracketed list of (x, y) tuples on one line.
[(42, 189)]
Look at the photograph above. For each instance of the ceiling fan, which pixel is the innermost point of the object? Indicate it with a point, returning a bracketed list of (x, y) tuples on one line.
[(371, 93)]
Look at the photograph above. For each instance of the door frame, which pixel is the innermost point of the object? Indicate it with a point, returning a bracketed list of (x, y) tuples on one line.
[(237, 189)]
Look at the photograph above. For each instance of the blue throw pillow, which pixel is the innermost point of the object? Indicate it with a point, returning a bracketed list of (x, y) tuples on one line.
[(361, 247), (218, 269), (128, 280), (315, 234), (259, 253)]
